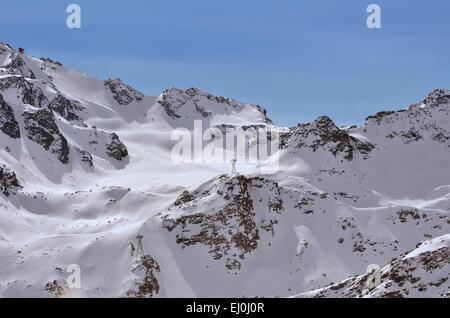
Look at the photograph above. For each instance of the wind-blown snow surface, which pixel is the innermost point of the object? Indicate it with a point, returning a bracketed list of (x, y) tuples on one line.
[(420, 273), (85, 170)]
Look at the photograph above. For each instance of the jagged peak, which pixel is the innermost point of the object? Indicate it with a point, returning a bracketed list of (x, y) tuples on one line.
[(123, 93), (174, 98), (323, 133), (192, 92), (5, 47), (439, 98), (325, 122), (114, 80), (322, 124)]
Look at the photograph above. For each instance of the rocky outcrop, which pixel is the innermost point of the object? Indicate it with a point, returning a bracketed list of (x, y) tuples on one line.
[(17, 65), (66, 108), (8, 123), (86, 157), (201, 110), (115, 148), (169, 106), (185, 197), (437, 99), (422, 272), (49, 60), (123, 93), (9, 184), (380, 116), (5, 48), (147, 267), (419, 122), (29, 93), (233, 231), (324, 134), (203, 103), (42, 129), (54, 288)]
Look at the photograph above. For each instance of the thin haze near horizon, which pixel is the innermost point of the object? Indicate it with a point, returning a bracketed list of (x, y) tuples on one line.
[(297, 59)]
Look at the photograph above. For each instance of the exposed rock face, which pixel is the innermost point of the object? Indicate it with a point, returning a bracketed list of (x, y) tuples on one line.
[(115, 148), (323, 133), (20, 88), (223, 128), (264, 111), (436, 99), (66, 108), (16, 65), (123, 93), (8, 123), (149, 286), (86, 157), (54, 288), (170, 107), (42, 129), (198, 102), (28, 92), (234, 230), (5, 48), (380, 116), (322, 217), (185, 197), (422, 272), (9, 184), (421, 121), (49, 60), (201, 110)]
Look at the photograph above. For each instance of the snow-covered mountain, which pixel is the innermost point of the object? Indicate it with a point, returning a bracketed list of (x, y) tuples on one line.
[(423, 272), (87, 178)]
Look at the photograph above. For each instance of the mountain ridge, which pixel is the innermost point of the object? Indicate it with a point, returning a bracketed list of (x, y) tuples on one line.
[(87, 178)]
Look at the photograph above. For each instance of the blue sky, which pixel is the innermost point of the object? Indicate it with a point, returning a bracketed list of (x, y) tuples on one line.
[(297, 58)]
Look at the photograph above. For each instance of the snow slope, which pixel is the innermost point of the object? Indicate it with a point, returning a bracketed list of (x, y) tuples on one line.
[(86, 178), (423, 272)]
